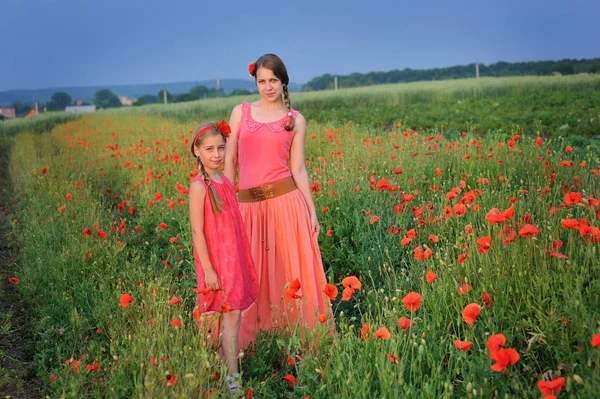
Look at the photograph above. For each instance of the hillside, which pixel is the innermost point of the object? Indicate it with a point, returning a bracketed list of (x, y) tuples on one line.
[(86, 93)]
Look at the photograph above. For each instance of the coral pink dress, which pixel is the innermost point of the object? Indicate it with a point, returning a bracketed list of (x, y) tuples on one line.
[(229, 253), (279, 231)]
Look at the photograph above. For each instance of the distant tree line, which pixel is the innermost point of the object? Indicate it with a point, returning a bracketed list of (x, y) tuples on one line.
[(499, 69), (195, 93)]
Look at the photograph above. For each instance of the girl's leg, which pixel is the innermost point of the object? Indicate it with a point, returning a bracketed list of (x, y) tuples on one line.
[(230, 328)]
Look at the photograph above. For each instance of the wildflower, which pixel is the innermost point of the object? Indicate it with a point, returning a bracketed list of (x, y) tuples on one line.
[(404, 323), (505, 358), (175, 301), (595, 341), (126, 300), (14, 280), (412, 301), (291, 380), (464, 346), (487, 299), (471, 313), (171, 380), (529, 230), (331, 291), (464, 288), (352, 282), (551, 387), (430, 276), (365, 331), (382, 333), (393, 358), (176, 323)]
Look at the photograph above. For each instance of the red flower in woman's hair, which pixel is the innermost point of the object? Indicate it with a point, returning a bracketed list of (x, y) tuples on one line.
[(252, 68), (224, 128)]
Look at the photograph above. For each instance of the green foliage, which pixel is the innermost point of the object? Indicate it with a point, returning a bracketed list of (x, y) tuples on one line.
[(564, 67), (105, 98), (145, 99), (186, 97), (499, 69), (547, 307), (59, 101), (161, 97)]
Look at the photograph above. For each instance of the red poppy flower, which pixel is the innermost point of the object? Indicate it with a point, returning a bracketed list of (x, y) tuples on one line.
[(331, 291), (412, 301), (494, 343), (551, 387), (393, 359), (464, 346), (570, 224), (484, 244), (162, 225), (462, 258), (87, 232), (471, 313), (290, 360), (595, 340), (505, 358), (93, 367), (404, 323), (322, 318), (291, 380), (421, 254), (405, 241), (430, 276), (433, 238), (347, 294), (126, 300), (464, 288), (374, 219), (382, 333), (13, 280), (365, 331), (487, 299), (352, 282), (459, 210), (171, 380), (176, 323), (538, 142), (175, 301), (529, 230)]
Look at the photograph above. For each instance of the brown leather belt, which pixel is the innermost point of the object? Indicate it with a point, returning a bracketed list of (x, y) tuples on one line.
[(267, 191)]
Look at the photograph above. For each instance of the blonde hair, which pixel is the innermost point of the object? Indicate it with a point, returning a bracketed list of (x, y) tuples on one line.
[(217, 203)]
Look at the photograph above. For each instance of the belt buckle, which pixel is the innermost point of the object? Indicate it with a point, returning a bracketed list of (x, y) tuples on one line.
[(262, 193)]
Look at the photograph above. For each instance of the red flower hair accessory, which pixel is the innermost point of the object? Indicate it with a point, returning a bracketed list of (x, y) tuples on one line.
[(222, 127), (252, 68)]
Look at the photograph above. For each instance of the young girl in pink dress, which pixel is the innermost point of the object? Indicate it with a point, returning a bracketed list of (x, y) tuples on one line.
[(276, 205), (227, 281)]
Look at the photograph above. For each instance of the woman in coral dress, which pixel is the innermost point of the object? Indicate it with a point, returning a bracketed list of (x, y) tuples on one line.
[(276, 205)]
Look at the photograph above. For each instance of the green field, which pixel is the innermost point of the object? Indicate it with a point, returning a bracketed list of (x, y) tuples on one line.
[(376, 184)]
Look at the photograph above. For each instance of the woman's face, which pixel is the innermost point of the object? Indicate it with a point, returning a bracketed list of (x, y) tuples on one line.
[(269, 86)]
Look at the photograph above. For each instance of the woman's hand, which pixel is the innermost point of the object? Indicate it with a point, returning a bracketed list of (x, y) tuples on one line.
[(211, 279), (314, 223)]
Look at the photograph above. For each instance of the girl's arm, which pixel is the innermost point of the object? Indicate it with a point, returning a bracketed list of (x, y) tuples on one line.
[(196, 198), (232, 144), (298, 169)]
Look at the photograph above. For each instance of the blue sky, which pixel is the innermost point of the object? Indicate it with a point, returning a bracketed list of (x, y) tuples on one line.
[(53, 43)]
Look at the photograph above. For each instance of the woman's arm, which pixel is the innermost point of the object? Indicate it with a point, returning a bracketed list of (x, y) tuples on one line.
[(298, 169), (196, 198), (232, 144)]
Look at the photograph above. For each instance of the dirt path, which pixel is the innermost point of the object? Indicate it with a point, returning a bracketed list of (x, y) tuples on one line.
[(17, 346)]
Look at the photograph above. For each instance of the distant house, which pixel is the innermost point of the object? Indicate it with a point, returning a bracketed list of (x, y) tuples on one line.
[(127, 100), (81, 108), (8, 113)]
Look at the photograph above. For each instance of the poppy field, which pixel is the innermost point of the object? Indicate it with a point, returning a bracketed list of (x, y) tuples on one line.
[(460, 265)]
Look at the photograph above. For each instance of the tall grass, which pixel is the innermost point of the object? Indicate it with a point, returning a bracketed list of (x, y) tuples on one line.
[(113, 168)]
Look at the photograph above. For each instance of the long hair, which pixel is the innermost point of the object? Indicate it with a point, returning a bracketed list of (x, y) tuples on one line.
[(217, 203), (276, 65)]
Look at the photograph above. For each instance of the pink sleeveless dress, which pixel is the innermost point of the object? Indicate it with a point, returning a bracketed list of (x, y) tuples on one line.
[(229, 253), (279, 231)]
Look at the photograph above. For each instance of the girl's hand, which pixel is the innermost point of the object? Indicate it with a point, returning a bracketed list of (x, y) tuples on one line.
[(314, 223), (211, 279)]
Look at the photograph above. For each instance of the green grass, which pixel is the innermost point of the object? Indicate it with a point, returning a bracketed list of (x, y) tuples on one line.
[(547, 307)]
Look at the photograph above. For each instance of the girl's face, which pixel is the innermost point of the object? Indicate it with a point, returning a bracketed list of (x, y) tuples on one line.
[(211, 152), (269, 86)]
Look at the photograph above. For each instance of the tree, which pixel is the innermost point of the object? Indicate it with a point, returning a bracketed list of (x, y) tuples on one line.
[(105, 98), (564, 67), (59, 101), (161, 99), (200, 91), (240, 92), (20, 108), (145, 99), (595, 68), (186, 97)]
